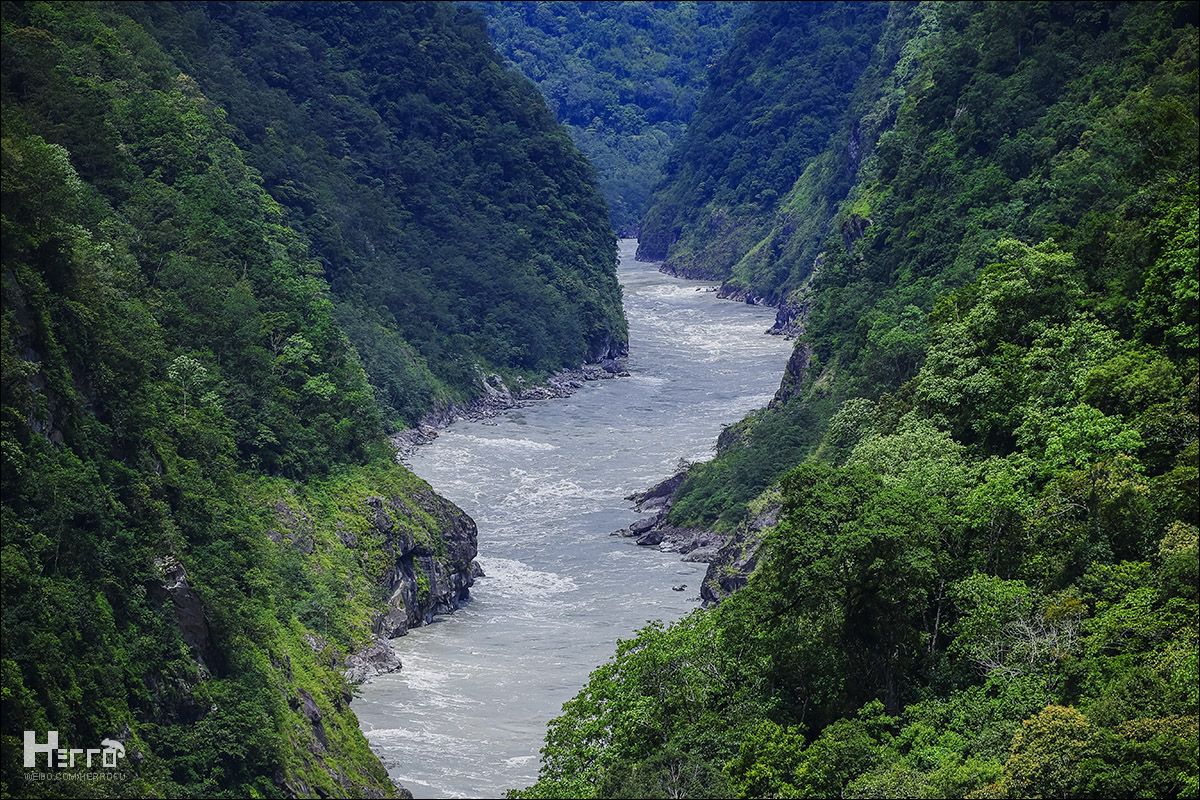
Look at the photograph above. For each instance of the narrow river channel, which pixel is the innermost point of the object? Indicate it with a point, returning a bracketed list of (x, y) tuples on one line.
[(466, 715)]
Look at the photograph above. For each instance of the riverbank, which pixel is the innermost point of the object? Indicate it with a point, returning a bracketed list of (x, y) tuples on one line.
[(498, 398), (791, 310)]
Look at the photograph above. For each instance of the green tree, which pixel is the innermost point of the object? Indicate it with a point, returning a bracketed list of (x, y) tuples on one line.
[(1047, 753), (187, 373)]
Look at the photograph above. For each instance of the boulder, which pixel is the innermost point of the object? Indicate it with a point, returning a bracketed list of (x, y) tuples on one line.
[(394, 622), (643, 525), (658, 495), (651, 538), (376, 657), (703, 555)]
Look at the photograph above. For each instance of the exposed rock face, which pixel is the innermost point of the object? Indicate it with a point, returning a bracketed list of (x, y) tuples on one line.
[(305, 703), (425, 577), (297, 528), (376, 657), (791, 316), (730, 559), (696, 544), (189, 611), (603, 348), (731, 565), (416, 545), (854, 229), (793, 375), (654, 245)]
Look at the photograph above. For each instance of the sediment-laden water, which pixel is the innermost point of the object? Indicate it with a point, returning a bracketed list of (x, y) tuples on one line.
[(466, 715)]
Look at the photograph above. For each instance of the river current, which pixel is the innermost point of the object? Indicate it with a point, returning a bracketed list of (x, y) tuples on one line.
[(466, 715)]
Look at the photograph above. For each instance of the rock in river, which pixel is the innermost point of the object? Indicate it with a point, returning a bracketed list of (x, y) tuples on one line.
[(643, 525), (375, 658)]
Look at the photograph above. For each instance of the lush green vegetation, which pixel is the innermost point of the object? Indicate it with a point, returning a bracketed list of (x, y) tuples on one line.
[(191, 291), (983, 580), (440, 198), (773, 104), (623, 77), (1110, 184)]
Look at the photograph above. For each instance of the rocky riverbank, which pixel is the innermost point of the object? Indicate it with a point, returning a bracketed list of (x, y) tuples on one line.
[(791, 311), (404, 553), (730, 557), (695, 544), (497, 397)]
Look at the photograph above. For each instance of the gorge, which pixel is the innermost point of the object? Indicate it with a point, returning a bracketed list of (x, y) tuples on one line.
[(248, 249), (546, 484)]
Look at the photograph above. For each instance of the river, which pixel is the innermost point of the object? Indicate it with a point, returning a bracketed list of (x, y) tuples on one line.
[(466, 715)]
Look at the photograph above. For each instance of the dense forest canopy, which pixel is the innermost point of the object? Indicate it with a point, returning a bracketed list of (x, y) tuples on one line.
[(240, 241), (441, 199), (623, 77), (969, 517), (773, 104), (243, 241)]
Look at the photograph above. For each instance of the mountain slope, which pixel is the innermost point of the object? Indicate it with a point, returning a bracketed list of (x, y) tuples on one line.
[(933, 198), (202, 520), (440, 197), (624, 78), (963, 549), (772, 105)]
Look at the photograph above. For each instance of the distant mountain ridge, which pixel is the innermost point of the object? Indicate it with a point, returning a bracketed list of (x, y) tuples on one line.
[(623, 77)]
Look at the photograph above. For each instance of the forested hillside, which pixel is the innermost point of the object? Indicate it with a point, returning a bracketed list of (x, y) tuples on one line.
[(441, 200), (238, 242), (967, 526), (777, 108), (623, 77)]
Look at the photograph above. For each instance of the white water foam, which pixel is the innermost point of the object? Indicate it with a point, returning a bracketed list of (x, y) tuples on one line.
[(508, 575), (505, 442)]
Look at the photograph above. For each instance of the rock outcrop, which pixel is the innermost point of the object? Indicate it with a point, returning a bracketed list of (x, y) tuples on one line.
[(695, 544), (376, 657), (426, 576), (736, 558), (730, 558), (793, 375), (189, 612), (411, 557)]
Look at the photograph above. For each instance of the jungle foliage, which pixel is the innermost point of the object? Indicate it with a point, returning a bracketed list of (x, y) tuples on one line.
[(227, 267), (772, 105), (983, 577), (439, 196), (1113, 184)]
